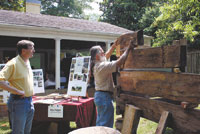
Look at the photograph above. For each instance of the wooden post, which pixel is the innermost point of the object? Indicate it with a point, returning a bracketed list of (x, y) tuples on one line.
[(162, 123), (131, 119)]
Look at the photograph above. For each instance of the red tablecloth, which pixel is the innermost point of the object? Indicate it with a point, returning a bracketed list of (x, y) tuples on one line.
[(83, 112)]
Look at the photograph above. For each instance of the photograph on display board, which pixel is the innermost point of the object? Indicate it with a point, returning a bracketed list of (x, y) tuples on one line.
[(75, 76), (38, 81), (4, 95), (84, 77), (73, 61), (79, 71), (86, 60), (71, 77), (72, 66)]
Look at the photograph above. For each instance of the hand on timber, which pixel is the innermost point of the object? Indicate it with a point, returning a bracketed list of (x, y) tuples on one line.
[(115, 44), (133, 43), (125, 54)]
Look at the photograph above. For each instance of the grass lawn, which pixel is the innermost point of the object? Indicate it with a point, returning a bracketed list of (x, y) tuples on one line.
[(4, 126)]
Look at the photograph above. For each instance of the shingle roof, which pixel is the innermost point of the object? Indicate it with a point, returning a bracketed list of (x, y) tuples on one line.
[(64, 23)]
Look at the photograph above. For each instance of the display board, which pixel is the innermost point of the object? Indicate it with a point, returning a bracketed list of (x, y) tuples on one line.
[(79, 71), (4, 95), (38, 81)]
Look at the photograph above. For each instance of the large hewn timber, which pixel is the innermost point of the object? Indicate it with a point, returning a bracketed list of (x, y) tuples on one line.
[(145, 58), (182, 121), (134, 37), (158, 57), (174, 86), (165, 56), (174, 56)]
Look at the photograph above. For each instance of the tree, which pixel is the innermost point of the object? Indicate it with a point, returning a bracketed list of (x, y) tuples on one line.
[(16, 5), (124, 13), (150, 15), (67, 8), (178, 19)]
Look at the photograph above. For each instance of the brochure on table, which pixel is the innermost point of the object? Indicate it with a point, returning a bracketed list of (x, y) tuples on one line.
[(78, 77), (38, 84)]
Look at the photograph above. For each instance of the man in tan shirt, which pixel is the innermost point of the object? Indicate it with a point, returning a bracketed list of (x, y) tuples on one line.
[(19, 74), (102, 71)]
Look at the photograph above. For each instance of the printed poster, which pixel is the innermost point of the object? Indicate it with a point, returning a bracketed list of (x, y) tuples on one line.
[(4, 95), (38, 81), (79, 71)]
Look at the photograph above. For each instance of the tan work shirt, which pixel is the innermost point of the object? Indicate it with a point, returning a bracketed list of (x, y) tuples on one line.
[(19, 74), (103, 75)]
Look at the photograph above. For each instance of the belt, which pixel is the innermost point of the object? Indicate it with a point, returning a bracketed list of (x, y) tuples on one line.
[(105, 91), (18, 97)]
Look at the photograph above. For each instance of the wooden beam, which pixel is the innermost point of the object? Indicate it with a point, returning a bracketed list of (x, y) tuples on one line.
[(135, 37), (162, 123), (184, 122), (174, 86), (131, 120), (144, 58), (157, 57), (174, 56)]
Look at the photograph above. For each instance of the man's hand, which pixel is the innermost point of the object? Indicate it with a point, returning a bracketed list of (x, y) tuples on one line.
[(133, 43), (10, 89), (19, 92), (109, 52), (123, 57), (115, 44)]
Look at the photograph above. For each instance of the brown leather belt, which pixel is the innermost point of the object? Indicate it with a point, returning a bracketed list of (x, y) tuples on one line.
[(18, 97), (105, 91)]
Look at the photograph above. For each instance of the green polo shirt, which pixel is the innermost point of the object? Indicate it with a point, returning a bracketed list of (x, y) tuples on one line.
[(19, 74)]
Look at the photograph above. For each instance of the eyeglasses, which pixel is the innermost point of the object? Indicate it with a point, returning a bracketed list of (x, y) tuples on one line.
[(31, 48)]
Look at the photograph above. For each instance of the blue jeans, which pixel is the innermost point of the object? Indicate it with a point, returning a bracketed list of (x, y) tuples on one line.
[(21, 112), (105, 109)]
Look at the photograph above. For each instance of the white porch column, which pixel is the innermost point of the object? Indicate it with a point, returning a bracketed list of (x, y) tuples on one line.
[(57, 58), (108, 45)]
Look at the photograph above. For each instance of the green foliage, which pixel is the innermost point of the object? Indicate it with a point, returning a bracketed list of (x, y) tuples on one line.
[(150, 15), (178, 19), (124, 13), (166, 20), (16, 5), (67, 8)]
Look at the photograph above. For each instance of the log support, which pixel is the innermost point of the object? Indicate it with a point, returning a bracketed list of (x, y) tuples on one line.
[(164, 119), (131, 119)]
